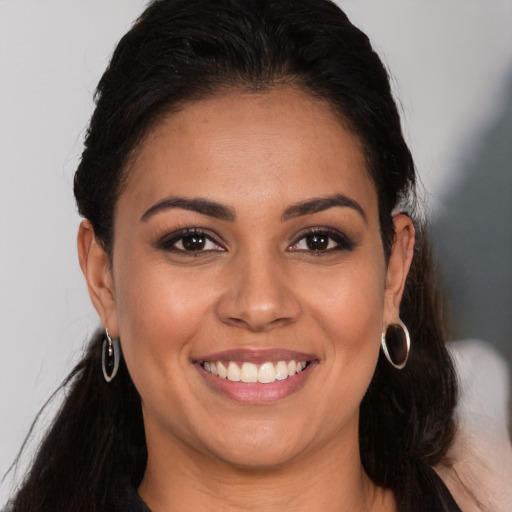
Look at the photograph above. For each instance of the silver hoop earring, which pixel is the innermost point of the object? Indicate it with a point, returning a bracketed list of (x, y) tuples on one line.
[(396, 343), (110, 356)]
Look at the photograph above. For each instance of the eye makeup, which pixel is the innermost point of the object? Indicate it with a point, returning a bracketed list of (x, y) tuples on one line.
[(322, 240), (190, 240)]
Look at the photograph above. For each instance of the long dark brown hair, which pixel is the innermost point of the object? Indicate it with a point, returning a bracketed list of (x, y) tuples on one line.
[(180, 51)]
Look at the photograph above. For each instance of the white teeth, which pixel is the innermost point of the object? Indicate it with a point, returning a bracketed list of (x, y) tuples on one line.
[(221, 369), (250, 373), (292, 368), (266, 373), (233, 372), (282, 370)]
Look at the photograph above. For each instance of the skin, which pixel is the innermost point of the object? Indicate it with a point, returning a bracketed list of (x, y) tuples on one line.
[(258, 285)]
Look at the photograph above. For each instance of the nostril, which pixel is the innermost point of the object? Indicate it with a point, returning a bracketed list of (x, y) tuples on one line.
[(257, 297), (256, 325)]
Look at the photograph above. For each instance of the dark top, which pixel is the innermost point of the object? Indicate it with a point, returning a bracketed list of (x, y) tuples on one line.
[(427, 493)]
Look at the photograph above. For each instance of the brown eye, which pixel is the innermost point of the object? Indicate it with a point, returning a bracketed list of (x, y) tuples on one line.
[(322, 241), (317, 242), (193, 242), (189, 241)]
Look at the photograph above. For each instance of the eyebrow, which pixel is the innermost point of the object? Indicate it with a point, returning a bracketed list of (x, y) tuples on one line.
[(320, 204), (220, 211), (199, 205)]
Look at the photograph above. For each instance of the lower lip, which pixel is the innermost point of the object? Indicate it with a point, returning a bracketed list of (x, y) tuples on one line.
[(255, 392)]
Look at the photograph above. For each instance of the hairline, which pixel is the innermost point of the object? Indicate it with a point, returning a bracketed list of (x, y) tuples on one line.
[(217, 88)]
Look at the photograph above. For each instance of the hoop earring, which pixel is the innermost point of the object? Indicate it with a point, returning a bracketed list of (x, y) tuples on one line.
[(396, 344), (110, 356)]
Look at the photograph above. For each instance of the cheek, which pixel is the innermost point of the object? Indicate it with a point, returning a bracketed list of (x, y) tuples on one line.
[(355, 333), (159, 312), (350, 301), (349, 309), (159, 317)]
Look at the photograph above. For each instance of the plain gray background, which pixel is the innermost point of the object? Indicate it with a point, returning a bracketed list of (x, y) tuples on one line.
[(452, 67)]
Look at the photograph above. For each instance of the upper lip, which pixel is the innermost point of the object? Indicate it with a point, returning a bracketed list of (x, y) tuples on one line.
[(257, 356)]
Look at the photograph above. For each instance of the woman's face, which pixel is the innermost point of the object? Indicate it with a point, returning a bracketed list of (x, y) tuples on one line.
[(247, 244)]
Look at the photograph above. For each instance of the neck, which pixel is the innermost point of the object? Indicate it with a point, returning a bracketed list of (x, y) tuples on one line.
[(331, 479)]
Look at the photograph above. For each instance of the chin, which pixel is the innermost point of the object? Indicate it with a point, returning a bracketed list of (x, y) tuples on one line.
[(257, 459), (261, 449)]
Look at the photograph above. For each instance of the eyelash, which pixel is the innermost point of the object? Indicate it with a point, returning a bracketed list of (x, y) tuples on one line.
[(343, 243), (169, 242)]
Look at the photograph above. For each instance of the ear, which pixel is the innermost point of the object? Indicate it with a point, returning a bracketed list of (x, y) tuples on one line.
[(95, 265), (398, 266)]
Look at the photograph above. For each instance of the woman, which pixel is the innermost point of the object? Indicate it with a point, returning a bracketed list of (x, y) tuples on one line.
[(249, 246)]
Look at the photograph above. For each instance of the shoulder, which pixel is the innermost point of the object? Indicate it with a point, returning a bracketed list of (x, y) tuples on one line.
[(479, 468)]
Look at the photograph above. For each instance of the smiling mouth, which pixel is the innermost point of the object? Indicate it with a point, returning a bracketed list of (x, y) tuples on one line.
[(251, 373)]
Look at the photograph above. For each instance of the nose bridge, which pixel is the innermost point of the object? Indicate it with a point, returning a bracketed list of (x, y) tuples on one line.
[(258, 296)]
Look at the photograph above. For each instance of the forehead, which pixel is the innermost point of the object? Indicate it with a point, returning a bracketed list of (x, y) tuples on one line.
[(248, 147)]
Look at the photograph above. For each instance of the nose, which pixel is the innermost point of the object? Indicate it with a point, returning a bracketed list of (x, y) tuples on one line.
[(259, 295)]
